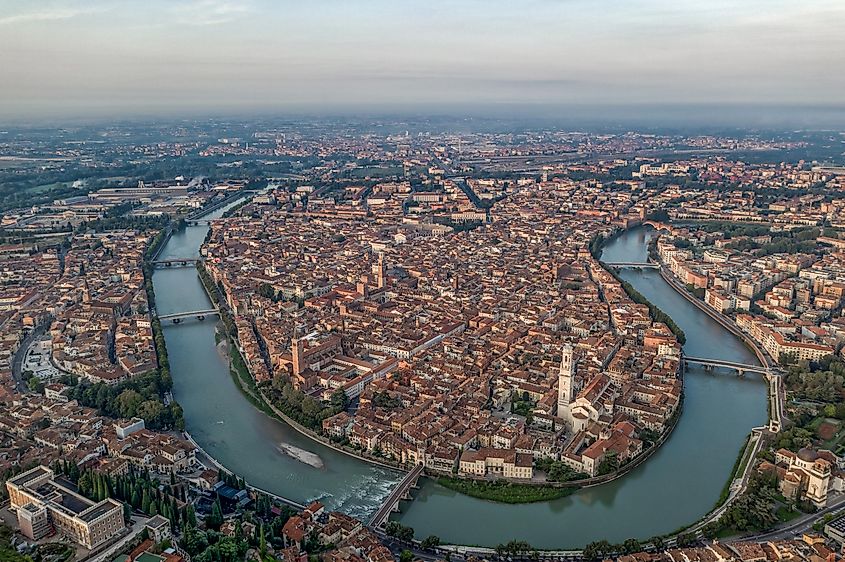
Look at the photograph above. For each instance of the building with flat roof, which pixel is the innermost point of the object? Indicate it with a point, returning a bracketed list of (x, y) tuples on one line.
[(835, 530), (44, 504)]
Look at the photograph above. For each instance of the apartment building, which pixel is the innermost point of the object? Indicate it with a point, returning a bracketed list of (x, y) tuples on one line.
[(45, 505)]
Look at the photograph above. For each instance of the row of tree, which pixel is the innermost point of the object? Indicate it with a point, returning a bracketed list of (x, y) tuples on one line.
[(136, 489)]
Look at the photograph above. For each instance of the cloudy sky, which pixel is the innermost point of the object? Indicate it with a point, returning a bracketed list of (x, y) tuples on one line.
[(75, 57)]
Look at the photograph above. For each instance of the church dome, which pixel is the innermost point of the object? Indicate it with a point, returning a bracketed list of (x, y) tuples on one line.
[(807, 455)]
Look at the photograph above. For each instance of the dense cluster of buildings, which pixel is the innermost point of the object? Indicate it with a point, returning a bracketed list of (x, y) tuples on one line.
[(102, 328), (47, 429), (442, 337), (89, 301), (787, 302), (347, 538), (477, 338)]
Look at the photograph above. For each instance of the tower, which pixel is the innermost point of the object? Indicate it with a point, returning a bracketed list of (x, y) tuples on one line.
[(381, 272), (296, 350), (565, 382), (296, 353)]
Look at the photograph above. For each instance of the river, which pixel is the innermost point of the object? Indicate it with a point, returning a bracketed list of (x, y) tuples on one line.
[(267, 453), (676, 486)]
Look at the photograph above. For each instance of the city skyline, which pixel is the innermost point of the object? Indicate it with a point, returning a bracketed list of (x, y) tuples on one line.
[(69, 59)]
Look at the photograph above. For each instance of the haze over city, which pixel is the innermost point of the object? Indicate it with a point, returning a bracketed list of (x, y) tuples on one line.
[(68, 58)]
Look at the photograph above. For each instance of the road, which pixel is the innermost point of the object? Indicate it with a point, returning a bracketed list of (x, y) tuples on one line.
[(20, 354), (799, 525)]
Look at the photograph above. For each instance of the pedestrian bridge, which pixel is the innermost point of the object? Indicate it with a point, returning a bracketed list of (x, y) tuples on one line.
[(391, 503), (177, 317), (741, 368)]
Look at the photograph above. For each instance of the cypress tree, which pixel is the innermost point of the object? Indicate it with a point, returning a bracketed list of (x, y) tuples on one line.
[(262, 541), (191, 516)]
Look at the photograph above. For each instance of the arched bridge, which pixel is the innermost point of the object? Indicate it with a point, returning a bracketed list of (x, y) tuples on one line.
[(741, 368), (177, 317), (391, 504), (175, 262)]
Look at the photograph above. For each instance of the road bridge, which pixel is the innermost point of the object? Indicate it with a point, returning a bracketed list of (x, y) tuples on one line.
[(741, 368), (177, 317), (391, 503), (175, 262), (646, 265)]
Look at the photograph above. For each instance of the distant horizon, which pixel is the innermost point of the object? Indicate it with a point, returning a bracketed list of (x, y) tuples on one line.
[(614, 116)]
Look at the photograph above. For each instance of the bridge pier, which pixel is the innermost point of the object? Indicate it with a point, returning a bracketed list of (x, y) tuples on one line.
[(177, 320)]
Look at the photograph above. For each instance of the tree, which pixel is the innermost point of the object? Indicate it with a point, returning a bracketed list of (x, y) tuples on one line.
[(262, 541), (610, 463), (266, 290), (597, 549), (35, 385), (191, 516), (215, 518), (430, 541), (401, 532), (128, 402), (150, 410), (127, 513), (406, 556), (145, 502), (228, 548), (685, 539), (86, 484), (630, 546), (194, 541), (339, 400)]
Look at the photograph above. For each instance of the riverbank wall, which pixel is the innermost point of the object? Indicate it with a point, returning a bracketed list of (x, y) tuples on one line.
[(219, 466)]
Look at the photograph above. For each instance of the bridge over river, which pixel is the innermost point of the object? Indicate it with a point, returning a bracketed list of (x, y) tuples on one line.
[(740, 368), (391, 502), (176, 262), (645, 264), (177, 317)]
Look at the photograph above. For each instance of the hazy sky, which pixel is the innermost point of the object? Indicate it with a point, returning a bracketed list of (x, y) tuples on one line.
[(125, 56)]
